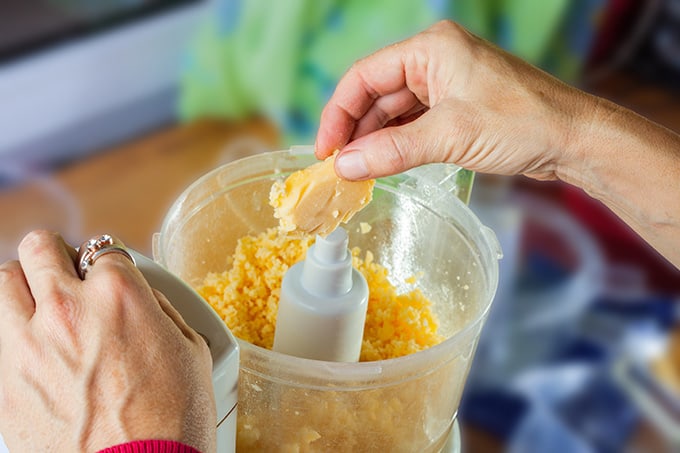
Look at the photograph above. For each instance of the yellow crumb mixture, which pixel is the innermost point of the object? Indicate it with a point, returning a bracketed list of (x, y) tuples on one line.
[(247, 296)]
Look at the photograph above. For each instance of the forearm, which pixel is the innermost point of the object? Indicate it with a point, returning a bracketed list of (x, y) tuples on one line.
[(632, 165)]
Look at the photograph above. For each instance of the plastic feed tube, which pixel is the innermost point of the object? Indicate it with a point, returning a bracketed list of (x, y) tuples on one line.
[(322, 309)]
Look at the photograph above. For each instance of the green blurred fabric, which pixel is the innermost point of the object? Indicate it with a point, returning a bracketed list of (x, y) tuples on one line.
[(282, 59)]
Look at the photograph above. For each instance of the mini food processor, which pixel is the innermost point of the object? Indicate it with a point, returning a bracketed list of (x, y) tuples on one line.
[(420, 226)]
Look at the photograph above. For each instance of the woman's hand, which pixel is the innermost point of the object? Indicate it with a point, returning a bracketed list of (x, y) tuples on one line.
[(447, 96), (87, 364)]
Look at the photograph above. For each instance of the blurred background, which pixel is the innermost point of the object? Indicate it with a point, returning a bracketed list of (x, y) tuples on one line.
[(110, 108)]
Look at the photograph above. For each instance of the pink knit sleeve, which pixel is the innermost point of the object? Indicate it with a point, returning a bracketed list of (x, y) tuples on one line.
[(151, 446)]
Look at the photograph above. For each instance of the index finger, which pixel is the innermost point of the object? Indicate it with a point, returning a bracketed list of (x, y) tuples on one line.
[(16, 302), (367, 80), (48, 264)]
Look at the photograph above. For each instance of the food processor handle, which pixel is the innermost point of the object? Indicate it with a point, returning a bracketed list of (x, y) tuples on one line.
[(322, 308)]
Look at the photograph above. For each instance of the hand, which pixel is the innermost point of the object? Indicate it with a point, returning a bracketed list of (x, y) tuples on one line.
[(447, 96), (85, 365)]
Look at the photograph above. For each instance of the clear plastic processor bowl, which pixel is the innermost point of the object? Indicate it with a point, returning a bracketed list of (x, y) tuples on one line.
[(421, 227)]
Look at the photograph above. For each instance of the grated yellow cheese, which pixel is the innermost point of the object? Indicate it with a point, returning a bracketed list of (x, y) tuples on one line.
[(365, 227), (246, 296)]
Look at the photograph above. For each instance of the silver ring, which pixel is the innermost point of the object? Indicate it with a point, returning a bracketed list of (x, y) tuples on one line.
[(94, 248)]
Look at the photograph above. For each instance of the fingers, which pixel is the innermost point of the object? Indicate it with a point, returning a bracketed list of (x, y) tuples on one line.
[(115, 288), (16, 303), (385, 109), (395, 87), (174, 315), (377, 76), (120, 285), (393, 150), (110, 263), (48, 264), (105, 261)]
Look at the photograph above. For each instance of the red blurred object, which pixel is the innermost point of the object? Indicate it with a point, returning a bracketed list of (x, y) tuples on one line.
[(618, 19), (620, 243)]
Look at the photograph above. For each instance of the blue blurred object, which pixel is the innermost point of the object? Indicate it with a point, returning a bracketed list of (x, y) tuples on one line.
[(569, 407), (541, 272), (554, 273), (541, 431), (659, 309), (601, 413), (497, 410), (543, 378), (576, 400)]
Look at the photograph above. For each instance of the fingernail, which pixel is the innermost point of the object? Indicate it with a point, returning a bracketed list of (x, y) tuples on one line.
[(351, 165)]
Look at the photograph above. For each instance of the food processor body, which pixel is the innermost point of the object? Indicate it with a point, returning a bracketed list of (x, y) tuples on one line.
[(420, 229)]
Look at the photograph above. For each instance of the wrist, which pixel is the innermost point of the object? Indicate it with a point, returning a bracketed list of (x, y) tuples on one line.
[(612, 151), (577, 122), (631, 165)]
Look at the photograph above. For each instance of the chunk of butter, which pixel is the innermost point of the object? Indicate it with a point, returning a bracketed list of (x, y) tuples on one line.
[(315, 200)]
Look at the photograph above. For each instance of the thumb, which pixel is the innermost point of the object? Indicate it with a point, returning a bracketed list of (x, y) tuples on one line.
[(393, 150)]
